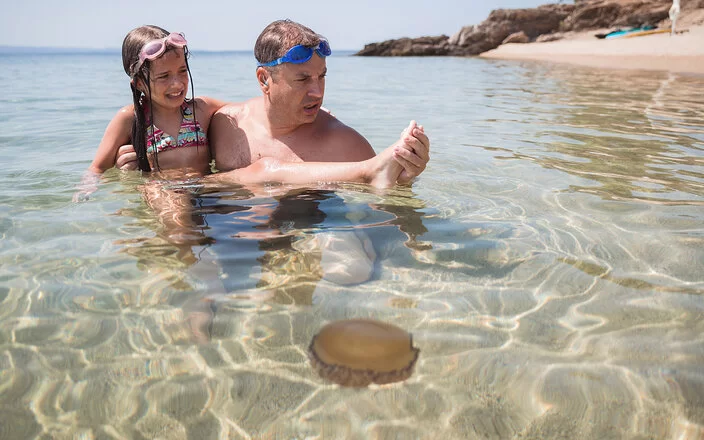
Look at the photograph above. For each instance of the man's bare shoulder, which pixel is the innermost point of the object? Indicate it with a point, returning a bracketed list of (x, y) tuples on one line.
[(237, 110), (228, 141), (227, 118), (350, 143), (329, 125), (231, 109)]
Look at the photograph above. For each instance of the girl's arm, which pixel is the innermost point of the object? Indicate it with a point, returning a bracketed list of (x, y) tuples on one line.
[(117, 133)]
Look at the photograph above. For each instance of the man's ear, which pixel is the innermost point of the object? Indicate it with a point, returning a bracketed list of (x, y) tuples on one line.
[(264, 78)]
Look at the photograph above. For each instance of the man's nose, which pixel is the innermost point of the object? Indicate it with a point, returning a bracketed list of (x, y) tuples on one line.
[(317, 88)]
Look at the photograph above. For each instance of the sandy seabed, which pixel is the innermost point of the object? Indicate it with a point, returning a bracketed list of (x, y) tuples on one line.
[(682, 52)]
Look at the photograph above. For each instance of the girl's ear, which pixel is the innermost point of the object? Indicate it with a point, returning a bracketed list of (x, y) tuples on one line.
[(140, 85)]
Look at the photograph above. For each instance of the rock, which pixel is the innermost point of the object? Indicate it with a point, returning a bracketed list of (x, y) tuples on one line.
[(595, 14), (517, 37), (473, 40), (550, 37), (459, 39), (544, 23), (423, 46)]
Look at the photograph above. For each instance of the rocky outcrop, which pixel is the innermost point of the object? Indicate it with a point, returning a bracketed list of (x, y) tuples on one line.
[(596, 14), (516, 37), (473, 40), (550, 37), (423, 46), (537, 24)]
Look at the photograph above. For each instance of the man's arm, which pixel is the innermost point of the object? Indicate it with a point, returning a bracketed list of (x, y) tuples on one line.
[(227, 141), (126, 158), (349, 146)]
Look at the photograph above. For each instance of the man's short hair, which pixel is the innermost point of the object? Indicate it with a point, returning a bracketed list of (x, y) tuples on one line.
[(281, 35)]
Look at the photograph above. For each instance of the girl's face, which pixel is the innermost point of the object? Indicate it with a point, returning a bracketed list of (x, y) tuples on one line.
[(168, 77)]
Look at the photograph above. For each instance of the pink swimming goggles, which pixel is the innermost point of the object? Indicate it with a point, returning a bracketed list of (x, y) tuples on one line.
[(156, 48)]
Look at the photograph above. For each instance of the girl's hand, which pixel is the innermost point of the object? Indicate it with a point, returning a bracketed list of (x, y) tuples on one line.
[(88, 185)]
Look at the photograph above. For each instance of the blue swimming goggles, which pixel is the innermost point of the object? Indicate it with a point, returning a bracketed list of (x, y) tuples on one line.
[(300, 54)]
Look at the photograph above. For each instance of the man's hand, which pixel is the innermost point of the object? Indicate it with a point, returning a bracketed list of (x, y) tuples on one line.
[(126, 158), (415, 161)]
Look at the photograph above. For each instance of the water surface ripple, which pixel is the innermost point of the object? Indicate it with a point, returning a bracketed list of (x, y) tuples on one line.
[(548, 262)]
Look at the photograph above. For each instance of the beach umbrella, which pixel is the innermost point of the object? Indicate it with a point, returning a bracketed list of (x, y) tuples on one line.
[(674, 12)]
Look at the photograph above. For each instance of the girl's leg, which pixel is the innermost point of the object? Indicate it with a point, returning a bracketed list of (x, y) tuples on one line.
[(174, 210)]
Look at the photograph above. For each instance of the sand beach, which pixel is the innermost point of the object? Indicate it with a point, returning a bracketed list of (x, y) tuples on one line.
[(682, 52)]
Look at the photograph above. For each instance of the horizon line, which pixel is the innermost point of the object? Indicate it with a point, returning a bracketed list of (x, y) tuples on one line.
[(4, 48)]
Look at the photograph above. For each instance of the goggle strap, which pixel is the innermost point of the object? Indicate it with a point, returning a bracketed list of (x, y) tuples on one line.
[(320, 49)]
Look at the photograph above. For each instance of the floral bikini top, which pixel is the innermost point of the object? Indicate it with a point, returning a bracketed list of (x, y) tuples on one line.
[(161, 141)]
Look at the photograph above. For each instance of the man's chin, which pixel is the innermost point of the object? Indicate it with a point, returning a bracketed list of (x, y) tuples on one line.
[(311, 112), (309, 117)]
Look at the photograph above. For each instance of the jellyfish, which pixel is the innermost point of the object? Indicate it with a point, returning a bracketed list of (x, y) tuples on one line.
[(358, 352)]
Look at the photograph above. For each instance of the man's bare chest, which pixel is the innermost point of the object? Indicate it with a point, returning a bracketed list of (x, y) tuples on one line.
[(288, 149)]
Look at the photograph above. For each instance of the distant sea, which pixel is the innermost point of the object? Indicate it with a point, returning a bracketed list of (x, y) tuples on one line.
[(30, 50), (549, 262)]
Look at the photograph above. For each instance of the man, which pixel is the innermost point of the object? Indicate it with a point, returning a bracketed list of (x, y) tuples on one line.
[(286, 123)]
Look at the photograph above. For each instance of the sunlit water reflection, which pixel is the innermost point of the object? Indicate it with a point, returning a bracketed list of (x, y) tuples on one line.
[(549, 263)]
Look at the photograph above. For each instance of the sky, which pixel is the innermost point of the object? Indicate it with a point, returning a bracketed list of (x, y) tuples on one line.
[(234, 25)]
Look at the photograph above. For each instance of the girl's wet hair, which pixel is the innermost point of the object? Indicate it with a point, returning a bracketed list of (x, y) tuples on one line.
[(131, 46)]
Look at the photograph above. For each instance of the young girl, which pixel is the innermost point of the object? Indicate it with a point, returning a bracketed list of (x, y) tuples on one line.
[(169, 131)]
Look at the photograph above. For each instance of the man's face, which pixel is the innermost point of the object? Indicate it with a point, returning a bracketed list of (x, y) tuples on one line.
[(297, 90)]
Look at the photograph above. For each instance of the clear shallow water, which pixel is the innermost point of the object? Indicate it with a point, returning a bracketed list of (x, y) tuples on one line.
[(549, 263)]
